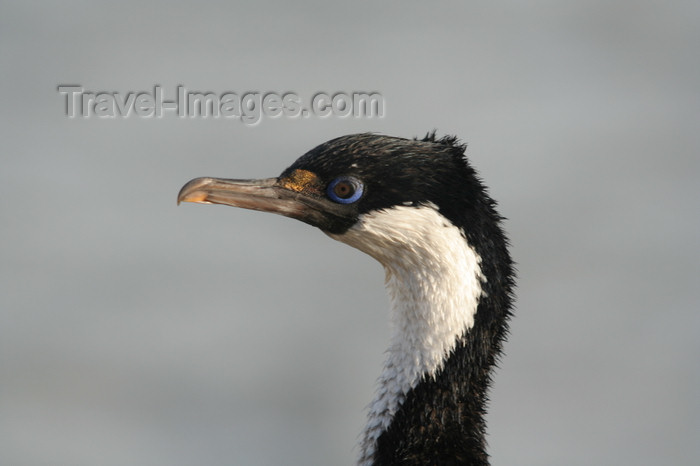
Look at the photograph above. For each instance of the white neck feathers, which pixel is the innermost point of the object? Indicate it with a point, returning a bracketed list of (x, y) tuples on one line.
[(434, 279)]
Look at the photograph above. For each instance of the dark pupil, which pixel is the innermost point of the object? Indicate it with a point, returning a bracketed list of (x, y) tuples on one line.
[(344, 190)]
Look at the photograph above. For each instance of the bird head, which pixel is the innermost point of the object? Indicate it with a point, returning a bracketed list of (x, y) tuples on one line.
[(335, 184)]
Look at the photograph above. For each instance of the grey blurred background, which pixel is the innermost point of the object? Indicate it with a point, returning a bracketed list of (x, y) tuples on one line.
[(136, 332)]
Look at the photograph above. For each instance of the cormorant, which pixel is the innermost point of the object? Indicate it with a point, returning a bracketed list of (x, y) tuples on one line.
[(420, 209)]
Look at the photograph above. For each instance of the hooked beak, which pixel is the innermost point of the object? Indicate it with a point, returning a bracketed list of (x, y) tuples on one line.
[(249, 194), (266, 195)]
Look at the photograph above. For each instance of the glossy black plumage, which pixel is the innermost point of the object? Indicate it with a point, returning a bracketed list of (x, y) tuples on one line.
[(442, 419)]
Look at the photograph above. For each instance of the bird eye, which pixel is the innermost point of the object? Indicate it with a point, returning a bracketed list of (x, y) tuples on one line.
[(345, 189)]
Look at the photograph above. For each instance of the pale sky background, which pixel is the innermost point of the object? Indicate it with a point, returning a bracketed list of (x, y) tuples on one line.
[(135, 332)]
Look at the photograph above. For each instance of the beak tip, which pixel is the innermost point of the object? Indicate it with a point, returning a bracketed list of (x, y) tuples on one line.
[(192, 192)]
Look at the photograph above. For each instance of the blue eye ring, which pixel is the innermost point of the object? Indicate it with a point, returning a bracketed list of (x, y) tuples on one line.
[(345, 190)]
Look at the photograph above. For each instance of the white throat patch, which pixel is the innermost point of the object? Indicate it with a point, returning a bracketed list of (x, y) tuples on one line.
[(434, 279)]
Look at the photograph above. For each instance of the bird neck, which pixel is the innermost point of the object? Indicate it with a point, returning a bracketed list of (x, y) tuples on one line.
[(434, 280)]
